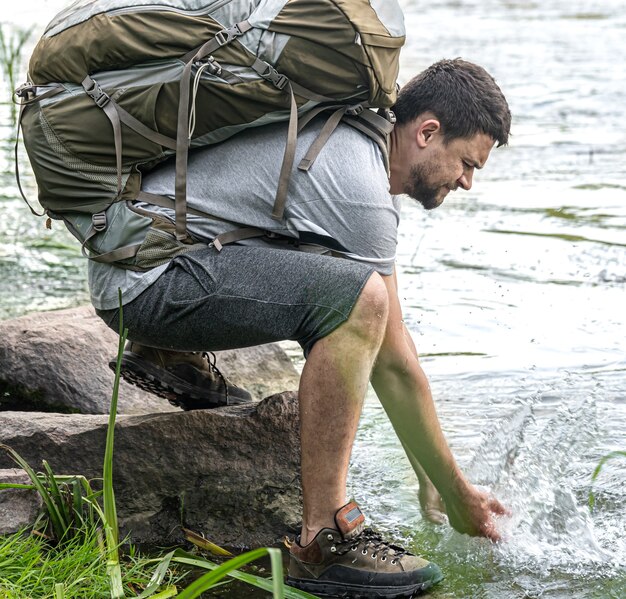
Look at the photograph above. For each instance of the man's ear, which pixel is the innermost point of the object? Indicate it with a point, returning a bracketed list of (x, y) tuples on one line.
[(426, 130)]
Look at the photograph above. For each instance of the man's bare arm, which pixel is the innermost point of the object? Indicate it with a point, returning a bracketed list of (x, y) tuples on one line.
[(404, 391)]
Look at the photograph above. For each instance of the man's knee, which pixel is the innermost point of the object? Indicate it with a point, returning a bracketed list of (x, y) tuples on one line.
[(369, 315)]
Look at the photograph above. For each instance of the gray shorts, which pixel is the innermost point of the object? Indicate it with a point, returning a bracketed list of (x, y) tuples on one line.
[(242, 296)]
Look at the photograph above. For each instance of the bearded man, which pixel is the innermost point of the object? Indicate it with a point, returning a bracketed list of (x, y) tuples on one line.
[(338, 298)]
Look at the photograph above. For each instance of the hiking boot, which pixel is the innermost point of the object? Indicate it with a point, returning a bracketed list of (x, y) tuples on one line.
[(189, 380), (353, 561)]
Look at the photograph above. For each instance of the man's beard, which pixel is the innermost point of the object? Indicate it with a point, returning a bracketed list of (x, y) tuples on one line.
[(417, 187)]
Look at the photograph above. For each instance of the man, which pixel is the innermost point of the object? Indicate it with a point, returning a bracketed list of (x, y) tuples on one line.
[(345, 312)]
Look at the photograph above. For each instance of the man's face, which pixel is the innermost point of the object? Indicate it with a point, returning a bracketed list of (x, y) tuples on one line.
[(443, 168)]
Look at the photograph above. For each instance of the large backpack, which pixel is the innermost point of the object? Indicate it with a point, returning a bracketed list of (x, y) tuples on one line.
[(116, 86)]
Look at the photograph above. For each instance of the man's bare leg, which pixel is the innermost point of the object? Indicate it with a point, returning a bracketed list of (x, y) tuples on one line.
[(332, 388)]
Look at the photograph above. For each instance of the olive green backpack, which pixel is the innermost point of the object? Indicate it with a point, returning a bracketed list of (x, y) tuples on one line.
[(117, 86)]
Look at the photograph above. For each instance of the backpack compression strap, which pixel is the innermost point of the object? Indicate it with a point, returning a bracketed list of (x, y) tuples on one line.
[(117, 115), (28, 95)]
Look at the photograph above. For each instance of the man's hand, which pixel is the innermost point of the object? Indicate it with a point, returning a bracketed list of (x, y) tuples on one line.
[(431, 504), (472, 512)]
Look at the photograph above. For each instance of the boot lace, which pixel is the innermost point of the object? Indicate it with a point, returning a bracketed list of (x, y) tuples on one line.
[(211, 359), (369, 539)]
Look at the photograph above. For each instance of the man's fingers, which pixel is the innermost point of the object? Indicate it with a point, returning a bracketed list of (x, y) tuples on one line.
[(434, 515), (490, 531), (497, 508), (492, 534)]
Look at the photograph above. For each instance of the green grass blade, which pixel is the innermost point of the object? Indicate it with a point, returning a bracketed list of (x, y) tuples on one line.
[(59, 591), (210, 578), (168, 592), (277, 572), (17, 486), (110, 513), (114, 571), (57, 496), (202, 543), (158, 576), (597, 470), (266, 584), (53, 513), (77, 502), (107, 470)]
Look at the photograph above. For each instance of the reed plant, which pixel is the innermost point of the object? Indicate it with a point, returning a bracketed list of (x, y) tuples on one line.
[(12, 42), (598, 469), (75, 520)]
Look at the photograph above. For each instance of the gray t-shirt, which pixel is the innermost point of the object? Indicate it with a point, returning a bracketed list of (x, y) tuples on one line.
[(342, 203)]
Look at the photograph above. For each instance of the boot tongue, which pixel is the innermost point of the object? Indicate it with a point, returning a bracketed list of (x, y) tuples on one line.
[(350, 520)]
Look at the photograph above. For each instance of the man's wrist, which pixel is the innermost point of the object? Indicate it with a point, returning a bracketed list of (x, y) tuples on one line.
[(455, 487)]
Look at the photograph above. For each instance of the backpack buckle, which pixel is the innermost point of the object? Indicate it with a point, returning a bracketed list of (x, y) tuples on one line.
[(271, 74), (95, 92), (99, 221), (354, 110), (26, 91), (388, 114), (279, 80), (225, 36)]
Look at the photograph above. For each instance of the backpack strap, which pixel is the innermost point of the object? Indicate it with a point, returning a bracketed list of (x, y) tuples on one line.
[(377, 126), (268, 72), (183, 140), (222, 239), (117, 115), (327, 130), (98, 224), (102, 100), (28, 95)]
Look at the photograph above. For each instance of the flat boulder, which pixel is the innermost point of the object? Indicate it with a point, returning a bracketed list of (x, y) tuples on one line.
[(58, 362), (19, 508), (230, 473)]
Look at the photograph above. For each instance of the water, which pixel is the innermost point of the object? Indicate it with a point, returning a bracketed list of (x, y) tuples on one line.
[(514, 292)]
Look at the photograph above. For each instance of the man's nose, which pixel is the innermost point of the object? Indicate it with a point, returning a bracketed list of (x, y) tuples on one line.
[(465, 181)]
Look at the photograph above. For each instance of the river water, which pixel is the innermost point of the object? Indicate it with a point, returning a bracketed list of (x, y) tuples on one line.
[(514, 292)]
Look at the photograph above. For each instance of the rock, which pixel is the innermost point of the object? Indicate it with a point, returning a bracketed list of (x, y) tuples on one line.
[(18, 507), (58, 361), (231, 473)]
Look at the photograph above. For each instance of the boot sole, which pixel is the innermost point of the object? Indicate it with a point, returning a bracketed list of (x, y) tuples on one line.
[(141, 373), (354, 591)]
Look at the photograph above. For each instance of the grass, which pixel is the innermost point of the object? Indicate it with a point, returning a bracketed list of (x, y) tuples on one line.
[(12, 41), (66, 556), (30, 566), (598, 469)]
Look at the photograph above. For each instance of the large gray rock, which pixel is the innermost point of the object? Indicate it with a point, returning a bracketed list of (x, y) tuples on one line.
[(58, 361), (18, 507), (231, 473)]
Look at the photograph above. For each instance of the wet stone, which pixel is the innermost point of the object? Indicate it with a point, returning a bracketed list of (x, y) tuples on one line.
[(58, 362), (18, 507), (230, 473)]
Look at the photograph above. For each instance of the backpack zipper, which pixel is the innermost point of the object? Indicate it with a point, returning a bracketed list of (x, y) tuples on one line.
[(160, 7), (60, 19)]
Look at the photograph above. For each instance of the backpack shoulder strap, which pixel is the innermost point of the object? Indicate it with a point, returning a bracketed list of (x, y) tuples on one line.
[(377, 126)]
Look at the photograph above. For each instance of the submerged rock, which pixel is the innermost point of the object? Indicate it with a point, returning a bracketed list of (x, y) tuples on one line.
[(58, 362), (231, 473)]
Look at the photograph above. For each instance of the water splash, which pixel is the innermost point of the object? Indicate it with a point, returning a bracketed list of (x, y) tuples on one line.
[(533, 465)]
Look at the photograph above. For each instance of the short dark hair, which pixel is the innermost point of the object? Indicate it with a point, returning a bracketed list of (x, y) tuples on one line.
[(464, 98)]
